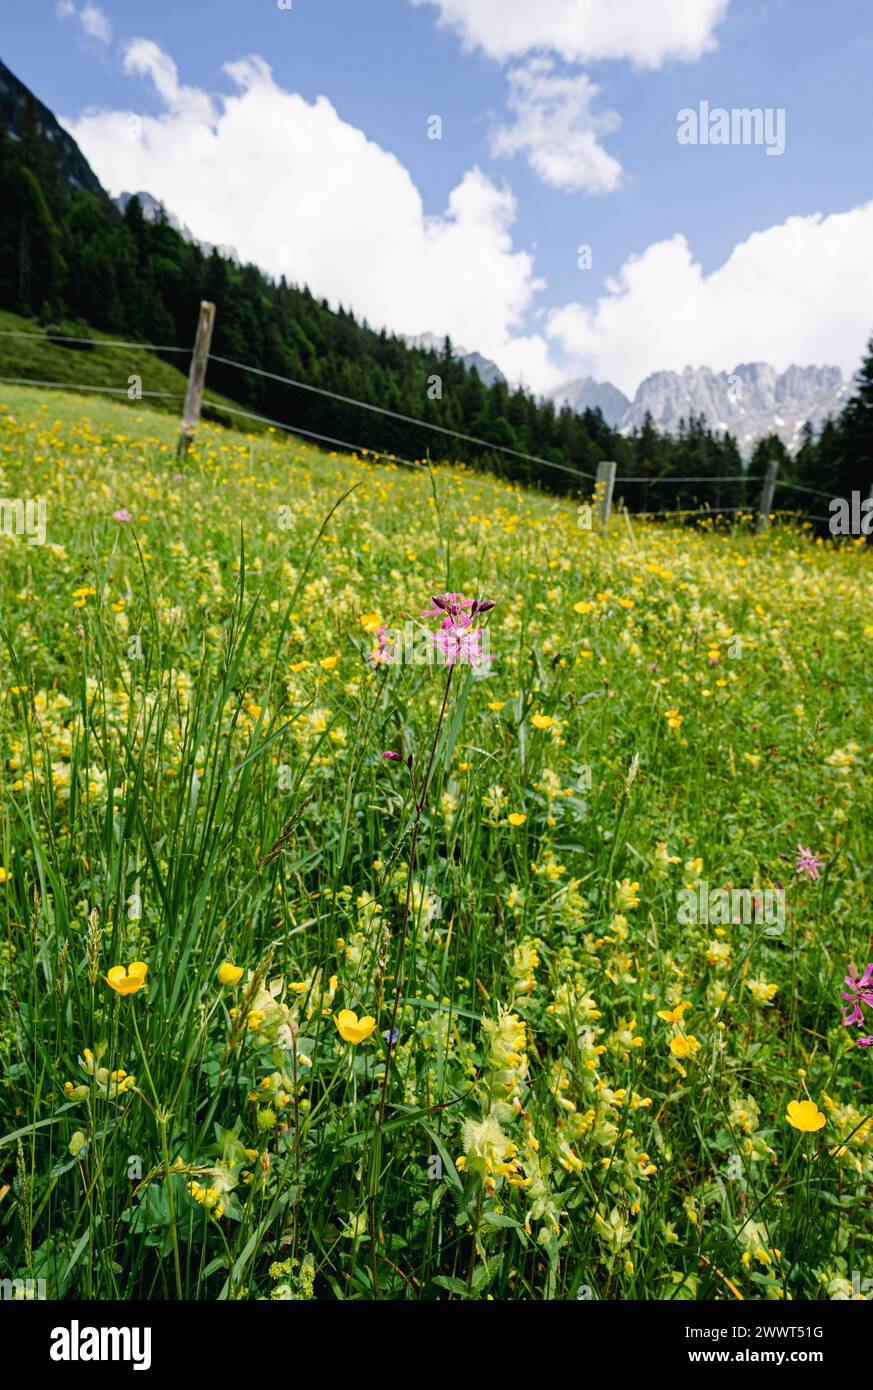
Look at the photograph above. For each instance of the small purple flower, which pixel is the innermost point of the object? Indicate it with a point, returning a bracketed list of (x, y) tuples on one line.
[(861, 985), (381, 654), (461, 644), (392, 1036), (852, 1014), (122, 515), (450, 608), (807, 863), (393, 757), (860, 992), (864, 1042), (445, 603)]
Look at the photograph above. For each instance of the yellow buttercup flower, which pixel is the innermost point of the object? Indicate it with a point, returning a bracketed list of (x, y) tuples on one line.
[(516, 818), (583, 607), (127, 981), (4, 874), (353, 1029), (542, 721), (327, 663), (673, 1015), (230, 974), (370, 621), (684, 1047), (805, 1116)]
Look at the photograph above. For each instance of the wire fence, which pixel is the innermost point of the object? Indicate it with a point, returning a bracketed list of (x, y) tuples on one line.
[(799, 487), (91, 342), (405, 419), (311, 434), (700, 478), (764, 510)]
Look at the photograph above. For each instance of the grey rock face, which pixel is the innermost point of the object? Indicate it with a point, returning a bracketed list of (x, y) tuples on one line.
[(752, 401)]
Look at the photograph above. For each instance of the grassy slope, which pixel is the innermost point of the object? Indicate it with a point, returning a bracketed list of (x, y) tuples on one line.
[(152, 788), (36, 358)]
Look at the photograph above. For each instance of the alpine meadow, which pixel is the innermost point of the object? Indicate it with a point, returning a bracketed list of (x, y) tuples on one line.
[(434, 813)]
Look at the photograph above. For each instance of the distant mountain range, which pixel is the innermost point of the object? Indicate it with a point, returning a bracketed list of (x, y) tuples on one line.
[(752, 401), (488, 371)]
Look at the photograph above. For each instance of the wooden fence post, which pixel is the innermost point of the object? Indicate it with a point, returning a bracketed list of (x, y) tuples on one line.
[(604, 487), (766, 504), (196, 378)]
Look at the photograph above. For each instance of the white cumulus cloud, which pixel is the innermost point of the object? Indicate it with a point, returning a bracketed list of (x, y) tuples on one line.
[(800, 292), (557, 129), (301, 192), (647, 33)]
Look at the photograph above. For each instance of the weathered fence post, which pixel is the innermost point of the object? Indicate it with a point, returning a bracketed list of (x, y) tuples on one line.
[(766, 504), (196, 378), (604, 487)]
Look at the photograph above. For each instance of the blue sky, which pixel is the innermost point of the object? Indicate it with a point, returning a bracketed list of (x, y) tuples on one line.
[(699, 254)]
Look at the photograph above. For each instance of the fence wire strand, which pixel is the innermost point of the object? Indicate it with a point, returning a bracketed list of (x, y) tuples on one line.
[(405, 419), (798, 487), (722, 478), (92, 342), (87, 387)]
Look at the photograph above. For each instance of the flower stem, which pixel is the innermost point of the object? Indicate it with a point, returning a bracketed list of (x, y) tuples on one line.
[(376, 1148)]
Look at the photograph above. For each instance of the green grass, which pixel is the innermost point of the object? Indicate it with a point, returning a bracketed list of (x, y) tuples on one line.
[(665, 706), (36, 357)]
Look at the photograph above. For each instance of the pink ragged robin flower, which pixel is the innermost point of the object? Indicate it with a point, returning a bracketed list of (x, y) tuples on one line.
[(457, 639), (860, 992), (450, 608), (460, 644), (807, 863), (381, 654)]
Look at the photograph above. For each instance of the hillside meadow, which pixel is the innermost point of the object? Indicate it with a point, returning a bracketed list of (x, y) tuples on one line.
[(284, 1018)]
